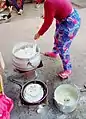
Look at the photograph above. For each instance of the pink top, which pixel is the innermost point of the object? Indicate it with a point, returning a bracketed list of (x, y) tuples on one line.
[(58, 9)]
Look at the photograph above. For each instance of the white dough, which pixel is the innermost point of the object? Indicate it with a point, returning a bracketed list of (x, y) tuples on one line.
[(25, 53), (33, 92)]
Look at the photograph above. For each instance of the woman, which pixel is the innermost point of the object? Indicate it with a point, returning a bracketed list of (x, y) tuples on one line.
[(67, 25)]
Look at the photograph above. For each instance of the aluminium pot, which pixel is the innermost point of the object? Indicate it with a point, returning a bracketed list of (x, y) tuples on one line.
[(66, 98), (28, 63)]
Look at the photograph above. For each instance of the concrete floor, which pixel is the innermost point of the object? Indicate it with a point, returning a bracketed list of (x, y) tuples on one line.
[(23, 28)]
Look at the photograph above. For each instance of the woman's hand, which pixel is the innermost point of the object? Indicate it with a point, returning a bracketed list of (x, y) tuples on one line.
[(37, 36)]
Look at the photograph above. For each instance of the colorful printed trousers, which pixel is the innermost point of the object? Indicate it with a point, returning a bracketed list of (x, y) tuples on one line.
[(64, 34)]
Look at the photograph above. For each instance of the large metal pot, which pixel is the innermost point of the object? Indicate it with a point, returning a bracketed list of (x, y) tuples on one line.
[(66, 97), (29, 62)]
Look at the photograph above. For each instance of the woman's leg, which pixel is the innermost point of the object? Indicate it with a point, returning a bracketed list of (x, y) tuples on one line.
[(18, 8), (14, 2), (21, 4), (7, 3), (67, 31), (54, 53), (20, 11)]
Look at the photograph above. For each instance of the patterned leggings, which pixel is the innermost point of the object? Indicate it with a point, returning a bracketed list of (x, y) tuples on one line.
[(64, 34)]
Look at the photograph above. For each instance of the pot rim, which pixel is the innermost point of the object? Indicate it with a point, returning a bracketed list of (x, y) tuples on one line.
[(26, 43), (77, 91)]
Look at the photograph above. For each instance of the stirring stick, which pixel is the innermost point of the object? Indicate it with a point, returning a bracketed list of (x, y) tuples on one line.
[(35, 44)]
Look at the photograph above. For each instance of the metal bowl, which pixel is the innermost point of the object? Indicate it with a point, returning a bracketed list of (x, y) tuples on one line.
[(66, 97)]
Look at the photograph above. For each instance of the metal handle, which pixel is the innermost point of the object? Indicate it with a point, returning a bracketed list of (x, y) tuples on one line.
[(10, 78), (29, 63), (35, 42), (83, 90)]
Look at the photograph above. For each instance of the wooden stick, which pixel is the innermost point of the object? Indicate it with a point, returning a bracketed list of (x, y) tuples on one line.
[(2, 66), (1, 85)]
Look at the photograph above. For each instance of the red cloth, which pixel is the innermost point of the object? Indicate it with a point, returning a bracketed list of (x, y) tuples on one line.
[(6, 105), (58, 9)]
